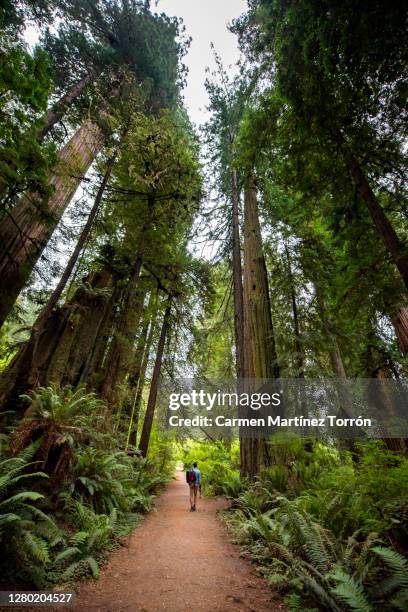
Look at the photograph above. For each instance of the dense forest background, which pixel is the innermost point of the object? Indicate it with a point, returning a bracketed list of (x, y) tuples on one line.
[(136, 248)]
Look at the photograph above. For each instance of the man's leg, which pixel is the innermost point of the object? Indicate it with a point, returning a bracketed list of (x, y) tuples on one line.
[(191, 497), (195, 495)]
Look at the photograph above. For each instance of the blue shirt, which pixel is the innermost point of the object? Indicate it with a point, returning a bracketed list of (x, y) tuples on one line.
[(198, 476)]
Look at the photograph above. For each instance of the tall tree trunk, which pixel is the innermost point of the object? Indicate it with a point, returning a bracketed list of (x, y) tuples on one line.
[(24, 233), (122, 346), (238, 293), (395, 247), (93, 372), (151, 402), (58, 110), (134, 421), (400, 323), (261, 359), (60, 352), (28, 353), (56, 294), (379, 394), (298, 341), (237, 281), (260, 340)]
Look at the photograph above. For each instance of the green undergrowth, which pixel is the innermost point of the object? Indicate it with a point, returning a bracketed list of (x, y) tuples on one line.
[(328, 530), (218, 463), (68, 493)]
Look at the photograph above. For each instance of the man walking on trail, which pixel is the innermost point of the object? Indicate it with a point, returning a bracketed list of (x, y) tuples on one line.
[(193, 478)]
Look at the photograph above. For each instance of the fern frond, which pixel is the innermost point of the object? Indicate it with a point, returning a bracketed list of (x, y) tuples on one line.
[(319, 590), (36, 547), (67, 554), (395, 562), (350, 591), (94, 567), (400, 601)]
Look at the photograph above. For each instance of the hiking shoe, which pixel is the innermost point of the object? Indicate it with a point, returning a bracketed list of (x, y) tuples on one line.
[(194, 508), (191, 509)]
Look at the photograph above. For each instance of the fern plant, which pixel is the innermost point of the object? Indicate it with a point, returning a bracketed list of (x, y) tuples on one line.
[(100, 479), (300, 555), (396, 583), (95, 533), (28, 536), (59, 417), (233, 486)]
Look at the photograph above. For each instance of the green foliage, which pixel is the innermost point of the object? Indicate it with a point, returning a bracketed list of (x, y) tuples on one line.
[(321, 543), (150, 45), (28, 536), (99, 478), (25, 83), (58, 417), (108, 481), (330, 79), (62, 406), (214, 462), (94, 535), (100, 498)]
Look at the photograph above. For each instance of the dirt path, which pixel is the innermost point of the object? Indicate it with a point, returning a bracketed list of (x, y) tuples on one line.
[(176, 561)]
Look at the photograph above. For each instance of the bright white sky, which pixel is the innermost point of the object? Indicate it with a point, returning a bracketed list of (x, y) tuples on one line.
[(206, 22)]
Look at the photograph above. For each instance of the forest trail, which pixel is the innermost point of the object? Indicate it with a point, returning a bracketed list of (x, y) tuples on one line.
[(176, 561)]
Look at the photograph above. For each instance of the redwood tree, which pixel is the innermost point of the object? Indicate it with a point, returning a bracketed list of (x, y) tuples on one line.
[(261, 359), (25, 231)]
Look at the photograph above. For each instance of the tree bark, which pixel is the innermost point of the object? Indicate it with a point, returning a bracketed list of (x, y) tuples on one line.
[(384, 402), (59, 353), (92, 316), (400, 323), (260, 340), (24, 233), (28, 353), (238, 293), (237, 281), (56, 294), (151, 402), (58, 110), (93, 371), (260, 359), (122, 346), (133, 425), (298, 341)]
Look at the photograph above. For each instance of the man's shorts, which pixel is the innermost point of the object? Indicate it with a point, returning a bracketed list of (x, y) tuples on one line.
[(194, 487)]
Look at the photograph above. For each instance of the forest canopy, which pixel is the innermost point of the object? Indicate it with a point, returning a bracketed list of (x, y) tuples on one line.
[(138, 250)]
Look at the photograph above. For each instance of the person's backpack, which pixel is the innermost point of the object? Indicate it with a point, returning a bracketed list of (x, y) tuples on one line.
[(191, 476)]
